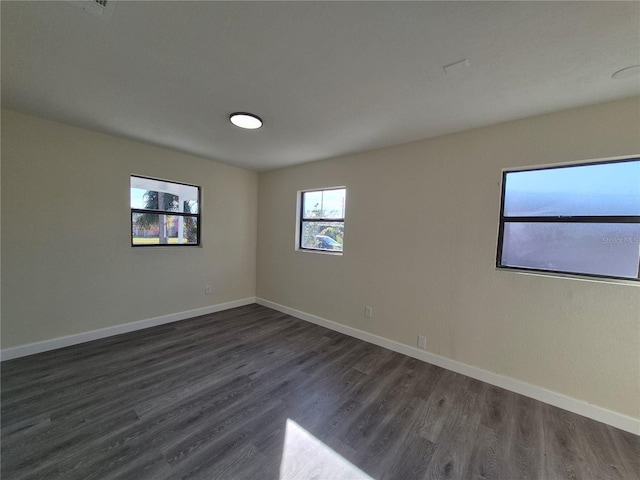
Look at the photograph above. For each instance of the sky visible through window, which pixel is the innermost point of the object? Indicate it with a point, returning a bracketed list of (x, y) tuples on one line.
[(324, 203), (602, 238), (601, 189), (137, 198)]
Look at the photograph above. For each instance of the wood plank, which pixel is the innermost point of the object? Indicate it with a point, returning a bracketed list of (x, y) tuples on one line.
[(211, 397)]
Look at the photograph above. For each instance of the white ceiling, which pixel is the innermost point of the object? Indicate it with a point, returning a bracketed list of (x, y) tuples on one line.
[(328, 78)]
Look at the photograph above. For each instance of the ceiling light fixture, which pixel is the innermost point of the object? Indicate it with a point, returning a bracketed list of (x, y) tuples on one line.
[(245, 120), (627, 72)]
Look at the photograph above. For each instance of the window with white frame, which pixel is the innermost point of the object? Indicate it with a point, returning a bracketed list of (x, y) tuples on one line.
[(578, 219), (164, 213), (321, 221)]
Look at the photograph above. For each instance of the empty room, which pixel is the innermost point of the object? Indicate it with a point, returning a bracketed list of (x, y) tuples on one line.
[(320, 240)]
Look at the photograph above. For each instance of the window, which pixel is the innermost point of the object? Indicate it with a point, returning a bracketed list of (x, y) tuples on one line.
[(322, 219), (164, 213), (580, 219)]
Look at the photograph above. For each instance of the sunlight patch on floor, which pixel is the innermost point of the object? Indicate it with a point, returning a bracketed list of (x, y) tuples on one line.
[(306, 457)]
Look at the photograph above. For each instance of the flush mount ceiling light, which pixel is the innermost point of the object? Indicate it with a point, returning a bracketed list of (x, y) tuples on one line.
[(627, 72), (245, 120)]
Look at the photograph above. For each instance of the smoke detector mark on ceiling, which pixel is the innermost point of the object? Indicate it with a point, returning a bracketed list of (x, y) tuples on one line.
[(98, 8), (628, 72), (457, 68)]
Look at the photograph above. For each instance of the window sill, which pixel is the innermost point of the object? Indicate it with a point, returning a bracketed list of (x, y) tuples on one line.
[(321, 252), (570, 276)]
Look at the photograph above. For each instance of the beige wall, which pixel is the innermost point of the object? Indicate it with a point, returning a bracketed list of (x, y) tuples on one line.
[(67, 263), (420, 242), (419, 247)]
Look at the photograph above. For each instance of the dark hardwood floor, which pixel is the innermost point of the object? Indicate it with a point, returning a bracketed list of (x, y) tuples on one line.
[(253, 393)]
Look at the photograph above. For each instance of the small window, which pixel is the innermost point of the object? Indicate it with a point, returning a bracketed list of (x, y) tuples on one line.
[(578, 219), (322, 220), (164, 213)]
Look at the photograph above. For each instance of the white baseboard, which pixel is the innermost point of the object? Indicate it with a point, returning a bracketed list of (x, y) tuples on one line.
[(60, 342), (580, 407)]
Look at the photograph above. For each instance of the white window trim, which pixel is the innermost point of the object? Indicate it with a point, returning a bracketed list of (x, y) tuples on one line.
[(298, 222)]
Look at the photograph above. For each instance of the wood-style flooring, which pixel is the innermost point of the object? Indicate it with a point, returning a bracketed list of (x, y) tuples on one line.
[(251, 393)]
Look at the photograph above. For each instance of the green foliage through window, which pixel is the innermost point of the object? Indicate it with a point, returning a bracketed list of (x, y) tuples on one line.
[(322, 219), (164, 213)]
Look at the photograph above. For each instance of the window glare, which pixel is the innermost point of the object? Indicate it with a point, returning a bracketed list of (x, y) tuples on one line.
[(591, 248)]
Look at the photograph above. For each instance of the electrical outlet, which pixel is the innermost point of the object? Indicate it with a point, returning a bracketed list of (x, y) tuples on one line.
[(208, 290), (368, 312), (422, 342)]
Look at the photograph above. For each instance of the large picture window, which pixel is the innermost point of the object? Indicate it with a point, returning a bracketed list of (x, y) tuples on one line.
[(577, 219), (322, 220), (164, 213)]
